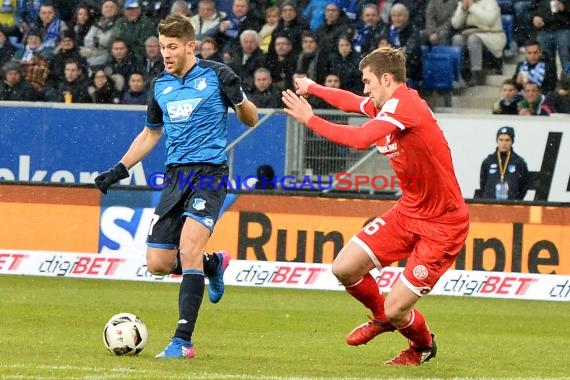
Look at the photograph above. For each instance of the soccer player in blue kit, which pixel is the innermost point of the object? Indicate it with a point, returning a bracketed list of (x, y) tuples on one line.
[(189, 101)]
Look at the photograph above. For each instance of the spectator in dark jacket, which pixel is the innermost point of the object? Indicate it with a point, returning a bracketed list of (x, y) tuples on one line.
[(551, 21), (102, 89), (264, 94), (137, 93), (281, 63), (210, 50), (73, 89), (247, 59), (508, 103), (403, 35), (7, 50), (504, 174), (291, 26), (66, 49), (344, 63), (13, 87), (534, 68)]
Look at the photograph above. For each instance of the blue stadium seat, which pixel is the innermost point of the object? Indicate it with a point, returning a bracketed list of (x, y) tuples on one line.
[(455, 52), (508, 26), (438, 71)]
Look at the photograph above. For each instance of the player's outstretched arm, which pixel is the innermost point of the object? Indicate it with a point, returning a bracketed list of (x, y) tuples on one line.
[(247, 113), (343, 100), (355, 137), (139, 149)]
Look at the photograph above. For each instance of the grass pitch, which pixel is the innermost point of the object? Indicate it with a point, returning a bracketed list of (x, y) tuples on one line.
[(52, 328)]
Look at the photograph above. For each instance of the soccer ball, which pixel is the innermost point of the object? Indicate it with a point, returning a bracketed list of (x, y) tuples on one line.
[(125, 334)]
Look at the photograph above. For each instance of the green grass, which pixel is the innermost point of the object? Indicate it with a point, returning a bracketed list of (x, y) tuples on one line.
[(51, 328)]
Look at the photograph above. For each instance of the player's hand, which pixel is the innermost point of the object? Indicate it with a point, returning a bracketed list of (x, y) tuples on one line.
[(297, 107), (302, 85), (104, 180)]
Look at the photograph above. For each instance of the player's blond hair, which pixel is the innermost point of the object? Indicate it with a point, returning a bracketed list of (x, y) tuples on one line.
[(386, 60), (177, 26)]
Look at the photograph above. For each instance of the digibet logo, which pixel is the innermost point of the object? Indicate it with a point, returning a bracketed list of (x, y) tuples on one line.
[(488, 285), (10, 262), (280, 274), (561, 290), (91, 266)]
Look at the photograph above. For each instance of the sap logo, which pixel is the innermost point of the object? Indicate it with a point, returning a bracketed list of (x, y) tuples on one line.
[(124, 229), (181, 110)]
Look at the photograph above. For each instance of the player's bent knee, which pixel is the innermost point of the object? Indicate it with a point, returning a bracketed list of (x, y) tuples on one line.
[(344, 276), (159, 267)]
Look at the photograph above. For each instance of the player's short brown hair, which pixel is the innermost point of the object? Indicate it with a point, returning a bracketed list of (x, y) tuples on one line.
[(177, 26), (386, 60)]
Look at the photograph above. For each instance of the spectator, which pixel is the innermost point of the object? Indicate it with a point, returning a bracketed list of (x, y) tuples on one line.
[(551, 20), (230, 30), (134, 28), (559, 101), (156, 10), (272, 15), (206, 23), (64, 51), (13, 87), (479, 25), (98, 39), (121, 64), (264, 94), (331, 80), (314, 12), (333, 27), (508, 103), (281, 63), (344, 63), (248, 59), (504, 174), (535, 69), (438, 22), (73, 89), (136, 93), (369, 33), (102, 89), (27, 14), (34, 60), (210, 50), (50, 26), (181, 7), (82, 22), (291, 26), (265, 178), (7, 50), (522, 22), (153, 63), (401, 34), (312, 61), (533, 103)]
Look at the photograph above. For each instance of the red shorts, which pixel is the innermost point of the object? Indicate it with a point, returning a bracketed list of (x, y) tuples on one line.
[(430, 245)]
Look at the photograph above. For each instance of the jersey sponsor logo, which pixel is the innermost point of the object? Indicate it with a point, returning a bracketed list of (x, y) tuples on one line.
[(420, 272), (390, 149), (511, 168), (166, 90), (200, 84), (181, 110), (199, 204)]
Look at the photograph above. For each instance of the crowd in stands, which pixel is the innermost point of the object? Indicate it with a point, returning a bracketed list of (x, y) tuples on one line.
[(107, 51)]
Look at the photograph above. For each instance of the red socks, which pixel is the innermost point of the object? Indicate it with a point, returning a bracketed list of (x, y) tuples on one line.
[(417, 331), (366, 291)]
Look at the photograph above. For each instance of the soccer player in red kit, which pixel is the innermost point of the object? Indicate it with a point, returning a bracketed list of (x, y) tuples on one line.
[(428, 225)]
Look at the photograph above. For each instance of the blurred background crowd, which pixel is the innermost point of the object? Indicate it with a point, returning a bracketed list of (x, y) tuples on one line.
[(107, 51)]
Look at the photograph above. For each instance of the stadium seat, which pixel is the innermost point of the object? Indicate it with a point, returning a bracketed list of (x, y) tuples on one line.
[(508, 26), (455, 52), (438, 71)]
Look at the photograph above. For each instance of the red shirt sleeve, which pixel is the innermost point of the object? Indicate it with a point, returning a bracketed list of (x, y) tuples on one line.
[(358, 137), (343, 100)]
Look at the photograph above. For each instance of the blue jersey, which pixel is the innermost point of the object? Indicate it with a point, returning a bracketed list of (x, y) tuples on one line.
[(193, 111)]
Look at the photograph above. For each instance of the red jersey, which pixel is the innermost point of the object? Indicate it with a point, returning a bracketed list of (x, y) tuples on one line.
[(407, 133)]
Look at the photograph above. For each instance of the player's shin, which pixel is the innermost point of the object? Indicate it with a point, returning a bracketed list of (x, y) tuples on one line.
[(366, 291), (417, 331), (189, 301)]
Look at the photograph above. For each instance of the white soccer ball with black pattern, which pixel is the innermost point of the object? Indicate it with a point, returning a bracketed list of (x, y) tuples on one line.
[(125, 334)]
